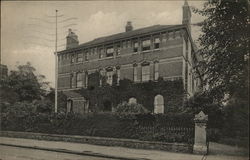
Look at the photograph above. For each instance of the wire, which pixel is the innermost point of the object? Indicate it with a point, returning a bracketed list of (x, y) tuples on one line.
[(40, 19), (73, 24), (53, 16), (68, 19)]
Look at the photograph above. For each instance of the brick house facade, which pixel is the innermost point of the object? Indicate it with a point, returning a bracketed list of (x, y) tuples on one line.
[(139, 55)]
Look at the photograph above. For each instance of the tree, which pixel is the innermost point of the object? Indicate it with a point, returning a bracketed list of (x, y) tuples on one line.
[(23, 85), (224, 47)]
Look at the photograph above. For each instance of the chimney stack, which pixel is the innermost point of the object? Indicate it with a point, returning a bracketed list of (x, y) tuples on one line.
[(72, 40), (129, 26)]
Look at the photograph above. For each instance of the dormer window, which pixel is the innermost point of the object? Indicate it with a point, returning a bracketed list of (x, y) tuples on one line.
[(146, 45), (156, 43), (110, 52)]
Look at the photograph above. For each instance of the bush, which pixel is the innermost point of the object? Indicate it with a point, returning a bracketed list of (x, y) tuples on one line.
[(125, 107)]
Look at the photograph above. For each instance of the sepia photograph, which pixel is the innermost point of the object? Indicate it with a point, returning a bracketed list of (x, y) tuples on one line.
[(124, 80)]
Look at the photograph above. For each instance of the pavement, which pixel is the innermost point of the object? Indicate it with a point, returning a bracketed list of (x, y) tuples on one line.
[(219, 152)]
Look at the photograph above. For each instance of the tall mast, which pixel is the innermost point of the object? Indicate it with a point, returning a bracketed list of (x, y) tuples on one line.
[(56, 67)]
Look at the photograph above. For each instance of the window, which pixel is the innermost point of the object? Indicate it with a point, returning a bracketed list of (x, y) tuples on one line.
[(146, 45), (145, 73), (157, 43), (102, 74), (73, 59), (79, 80), (100, 53), (86, 56), (95, 51), (135, 73), (156, 71), (118, 51), (86, 79), (79, 57), (136, 46), (128, 44), (124, 44), (118, 72), (110, 52), (71, 81), (110, 77)]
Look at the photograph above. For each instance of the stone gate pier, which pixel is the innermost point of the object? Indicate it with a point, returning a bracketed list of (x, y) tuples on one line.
[(200, 139)]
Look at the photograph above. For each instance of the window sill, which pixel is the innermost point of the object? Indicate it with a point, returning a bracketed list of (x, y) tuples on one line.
[(105, 58), (146, 51), (156, 49)]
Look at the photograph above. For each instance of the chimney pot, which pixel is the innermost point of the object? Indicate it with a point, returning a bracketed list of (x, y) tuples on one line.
[(129, 26)]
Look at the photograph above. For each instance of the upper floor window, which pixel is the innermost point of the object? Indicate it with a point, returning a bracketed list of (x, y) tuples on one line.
[(156, 43), (100, 53), (86, 56), (118, 50), (124, 44), (79, 79), (79, 57), (95, 50), (146, 45), (73, 60), (145, 73), (110, 52), (136, 46), (129, 43), (71, 81)]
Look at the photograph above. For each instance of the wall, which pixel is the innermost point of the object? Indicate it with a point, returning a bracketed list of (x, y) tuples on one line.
[(171, 47), (175, 147)]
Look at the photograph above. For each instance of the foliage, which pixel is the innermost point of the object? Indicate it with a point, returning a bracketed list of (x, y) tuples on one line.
[(105, 125), (172, 91), (61, 101), (236, 116), (224, 47), (23, 85), (125, 107)]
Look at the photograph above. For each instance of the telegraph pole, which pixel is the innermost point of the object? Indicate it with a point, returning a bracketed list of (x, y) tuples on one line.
[(53, 36), (56, 67)]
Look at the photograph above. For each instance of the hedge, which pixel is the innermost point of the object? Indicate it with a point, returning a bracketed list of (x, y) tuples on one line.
[(165, 128)]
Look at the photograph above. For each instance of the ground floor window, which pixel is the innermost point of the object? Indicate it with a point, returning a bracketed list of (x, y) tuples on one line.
[(79, 80), (145, 73)]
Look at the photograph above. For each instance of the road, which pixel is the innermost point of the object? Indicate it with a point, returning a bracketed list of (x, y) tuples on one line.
[(17, 153)]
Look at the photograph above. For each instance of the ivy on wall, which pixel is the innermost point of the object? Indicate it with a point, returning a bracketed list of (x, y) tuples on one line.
[(106, 97)]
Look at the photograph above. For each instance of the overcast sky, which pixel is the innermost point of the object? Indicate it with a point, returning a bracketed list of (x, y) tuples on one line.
[(26, 34)]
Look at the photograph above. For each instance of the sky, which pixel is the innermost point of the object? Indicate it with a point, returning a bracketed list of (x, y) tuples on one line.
[(28, 27)]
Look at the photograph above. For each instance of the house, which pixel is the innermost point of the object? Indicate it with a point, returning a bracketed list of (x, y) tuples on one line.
[(140, 55)]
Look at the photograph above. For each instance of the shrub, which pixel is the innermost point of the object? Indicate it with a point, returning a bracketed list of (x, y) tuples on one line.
[(125, 107)]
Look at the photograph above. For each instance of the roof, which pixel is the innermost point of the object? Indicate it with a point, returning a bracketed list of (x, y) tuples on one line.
[(128, 34)]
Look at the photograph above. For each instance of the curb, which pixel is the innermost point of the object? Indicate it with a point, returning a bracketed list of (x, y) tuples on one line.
[(84, 153)]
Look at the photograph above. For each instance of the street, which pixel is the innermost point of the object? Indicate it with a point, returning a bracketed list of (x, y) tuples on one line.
[(17, 153), (31, 149)]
